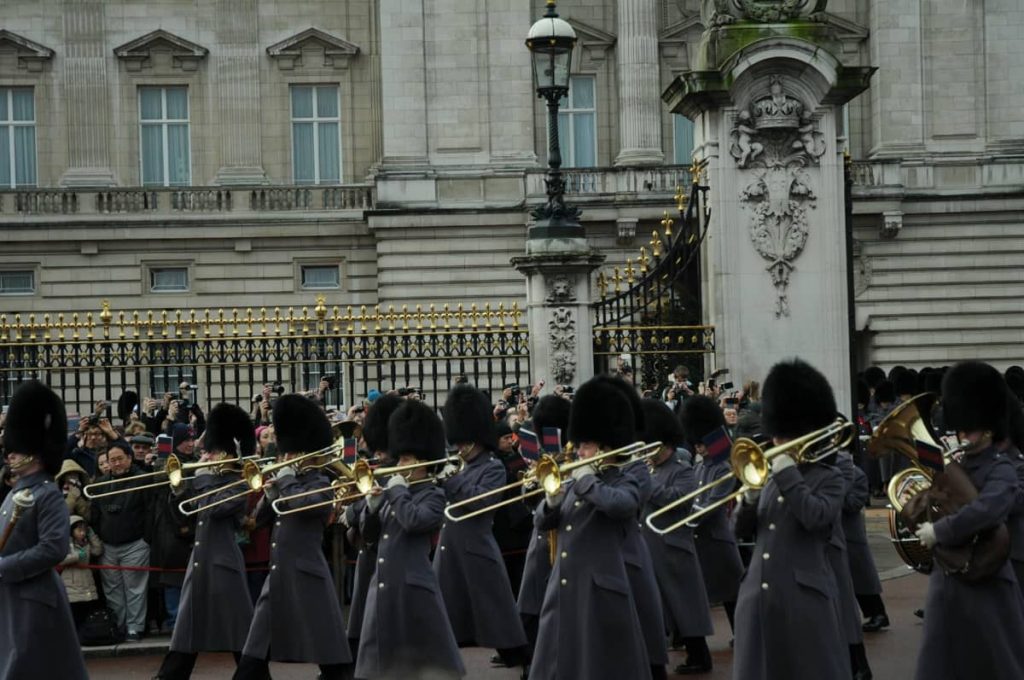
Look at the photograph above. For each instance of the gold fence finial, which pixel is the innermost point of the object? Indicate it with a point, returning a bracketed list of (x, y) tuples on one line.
[(643, 261), (321, 307), (617, 278), (602, 284), (105, 315), (695, 171), (630, 272), (655, 244), (681, 199), (666, 225)]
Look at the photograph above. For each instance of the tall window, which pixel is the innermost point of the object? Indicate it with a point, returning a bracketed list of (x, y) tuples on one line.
[(577, 124), (316, 140), (682, 128), (17, 137), (163, 114)]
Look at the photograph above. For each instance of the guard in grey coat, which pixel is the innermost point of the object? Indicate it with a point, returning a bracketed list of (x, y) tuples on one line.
[(866, 585), (676, 567), (298, 616), (37, 632), (589, 626), (474, 583), (215, 612), (789, 591), (849, 615), (1011, 448), (720, 563), (974, 629), (406, 634)]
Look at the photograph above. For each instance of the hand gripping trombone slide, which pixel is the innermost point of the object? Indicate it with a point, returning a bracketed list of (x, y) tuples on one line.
[(752, 466)]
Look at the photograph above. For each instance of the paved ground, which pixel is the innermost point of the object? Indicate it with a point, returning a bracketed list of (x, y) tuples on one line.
[(892, 653)]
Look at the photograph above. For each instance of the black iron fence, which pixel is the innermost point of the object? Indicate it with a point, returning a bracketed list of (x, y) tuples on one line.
[(229, 355)]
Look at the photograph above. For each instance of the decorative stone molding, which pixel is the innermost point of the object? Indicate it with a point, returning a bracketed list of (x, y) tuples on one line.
[(862, 269), (776, 138), (337, 52), (892, 224), (626, 230), (592, 46), (561, 290), (673, 42), (720, 12), (562, 336), (137, 54), (30, 55)]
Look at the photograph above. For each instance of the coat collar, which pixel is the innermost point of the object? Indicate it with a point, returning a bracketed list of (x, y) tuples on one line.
[(31, 480)]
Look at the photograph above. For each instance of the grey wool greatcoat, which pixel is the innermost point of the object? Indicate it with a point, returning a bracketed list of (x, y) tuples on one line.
[(858, 552), (298, 616), (536, 572), (720, 563), (37, 633), (474, 582), (788, 594), (215, 611), (683, 596), (848, 609), (639, 565), (589, 628), (405, 633), (366, 561), (974, 630), (1015, 522)]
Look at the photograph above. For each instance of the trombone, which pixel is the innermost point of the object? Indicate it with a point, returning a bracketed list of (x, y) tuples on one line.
[(751, 464), (547, 475), (363, 477), (174, 470)]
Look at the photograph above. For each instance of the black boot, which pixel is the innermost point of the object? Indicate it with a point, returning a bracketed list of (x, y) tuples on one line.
[(875, 623)]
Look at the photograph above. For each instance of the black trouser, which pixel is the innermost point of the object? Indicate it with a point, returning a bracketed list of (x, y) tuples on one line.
[(859, 658), (179, 665), (531, 623), (80, 611), (871, 605), (515, 656), (697, 652), (730, 612), (251, 668)]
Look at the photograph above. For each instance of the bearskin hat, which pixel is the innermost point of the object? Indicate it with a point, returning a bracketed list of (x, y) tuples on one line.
[(660, 424), (468, 417), (699, 417), (885, 393), (797, 400), (415, 430), (601, 413), (1015, 420), (37, 425), (226, 425), (906, 383), (126, 403), (300, 425), (1015, 379), (874, 375), (974, 398), (932, 381), (628, 391), (375, 427), (863, 392), (552, 411)]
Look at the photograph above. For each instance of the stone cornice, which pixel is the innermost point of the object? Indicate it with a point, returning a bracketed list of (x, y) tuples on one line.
[(137, 53), (337, 51), (592, 46), (31, 55)]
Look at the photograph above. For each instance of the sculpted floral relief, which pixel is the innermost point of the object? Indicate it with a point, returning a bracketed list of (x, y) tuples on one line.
[(562, 334)]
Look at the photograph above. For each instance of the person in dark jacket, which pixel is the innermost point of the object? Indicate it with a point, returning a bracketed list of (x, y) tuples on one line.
[(37, 631), (866, 585), (298, 616), (973, 629), (405, 630), (719, 556), (683, 596), (513, 524), (123, 522), (589, 626), (215, 611), (474, 584), (789, 591), (375, 434), (1013, 448)]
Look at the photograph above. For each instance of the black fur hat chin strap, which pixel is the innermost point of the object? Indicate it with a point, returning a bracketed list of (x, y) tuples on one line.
[(23, 463)]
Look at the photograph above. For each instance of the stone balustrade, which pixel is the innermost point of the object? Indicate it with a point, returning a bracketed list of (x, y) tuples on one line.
[(177, 200), (626, 182)]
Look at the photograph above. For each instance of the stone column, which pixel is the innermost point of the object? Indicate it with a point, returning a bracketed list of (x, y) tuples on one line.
[(236, 81), (558, 298), (86, 95), (637, 64)]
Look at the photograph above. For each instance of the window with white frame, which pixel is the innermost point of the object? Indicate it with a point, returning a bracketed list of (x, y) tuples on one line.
[(315, 371), (168, 279), (17, 137), (316, 134), (577, 123), (320, 277), (165, 147), (164, 379), (682, 130), (17, 282)]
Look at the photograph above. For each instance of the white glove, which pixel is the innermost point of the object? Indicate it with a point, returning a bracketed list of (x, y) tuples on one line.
[(781, 462), (584, 471), (926, 534), (373, 501), (750, 496), (449, 470), (286, 471), (554, 500), (397, 480)]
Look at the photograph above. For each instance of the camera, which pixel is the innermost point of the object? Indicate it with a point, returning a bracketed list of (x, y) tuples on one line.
[(93, 420), (276, 391)]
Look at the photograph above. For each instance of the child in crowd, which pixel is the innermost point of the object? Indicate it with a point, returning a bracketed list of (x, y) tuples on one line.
[(78, 580)]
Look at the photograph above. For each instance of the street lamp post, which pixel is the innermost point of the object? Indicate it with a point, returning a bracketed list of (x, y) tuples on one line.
[(551, 41)]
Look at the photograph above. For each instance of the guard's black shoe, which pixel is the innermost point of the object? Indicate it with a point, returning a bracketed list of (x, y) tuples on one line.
[(875, 623), (496, 660), (863, 674), (919, 613), (693, 668)]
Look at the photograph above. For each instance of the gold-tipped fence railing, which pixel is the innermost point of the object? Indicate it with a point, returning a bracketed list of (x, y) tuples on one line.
[(230, 354)]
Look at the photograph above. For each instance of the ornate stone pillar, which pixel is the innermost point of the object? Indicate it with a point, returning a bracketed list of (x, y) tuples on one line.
[(86, 94), (558, 298), (637, 65), (768, 120)]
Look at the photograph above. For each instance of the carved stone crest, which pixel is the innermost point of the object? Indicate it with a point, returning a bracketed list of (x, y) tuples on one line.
[(561, 290), (776, 138), (719, 12), (562, 335)]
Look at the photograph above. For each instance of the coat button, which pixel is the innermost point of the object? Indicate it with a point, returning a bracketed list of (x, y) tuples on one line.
[(577, 504), (568, 527), (764, 586), (565, 581), (277, 524), (444, 524), (564, 554), (199, 523), (194, 564), (273, 566), (766, 556), (197, 543), (540, 537), (380, 585), (442, 547), (385, 536), (273, 545), (380, 560), (771, 527), (780, 499)]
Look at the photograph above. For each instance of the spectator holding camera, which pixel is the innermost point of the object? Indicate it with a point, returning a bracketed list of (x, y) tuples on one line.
[(96, 435), (680, 388), (264, 402)]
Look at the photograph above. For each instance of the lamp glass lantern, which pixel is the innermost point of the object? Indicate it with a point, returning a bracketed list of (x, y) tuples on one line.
[(551, 41)]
